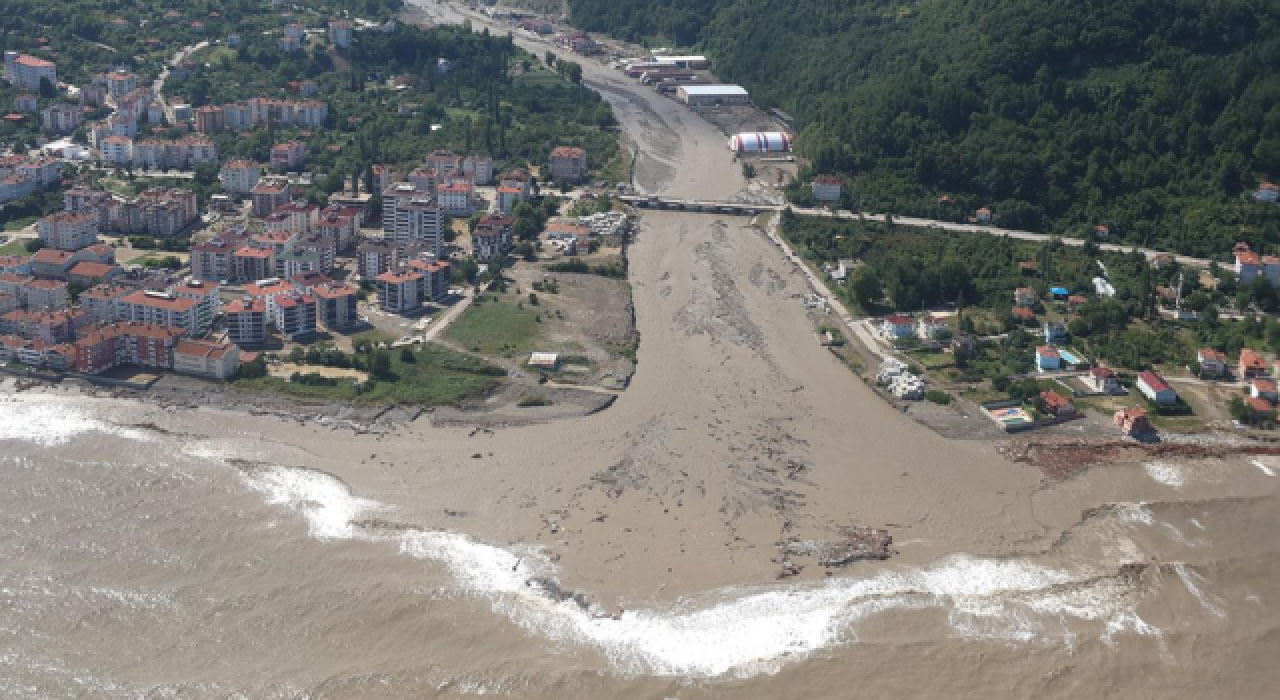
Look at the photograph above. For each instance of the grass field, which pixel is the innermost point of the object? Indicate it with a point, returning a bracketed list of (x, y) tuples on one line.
[(18, 246), (437, 376), (498, 328), (19, 224)]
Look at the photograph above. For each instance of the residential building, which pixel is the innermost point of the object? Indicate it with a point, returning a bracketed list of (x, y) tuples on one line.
[(1213, 363), (157, 211), (1155, 388), (250, 263), (289, 155), (1057, 405), (116, 150), (897, 327), (15, 187), (1103, 379), (294, 217), (1133, 421), (1267, 192), (295, 314), (479, 168), (1263, 389), (100, 301), (455, 199), (69, 230), (46, 295), (983, 215), (932, 329), (26, 103), (569, 163), (49, 327), (336, 305), (826, 188), (15, 264), (121, 82), (61, 118), (161, 309), (50, 263), (1025, 297), (247, 321), (210, 119), (1055, 332), (25, 72), (507, 198), (518, 178), (89, 273), (1023, 315), (271, 193), (340, 33), (1252, 364), (205, 295), (436, 276), (206, 358), (212, 260), (267, 290), (339, 224), (492, 238), (1048, 359), (401, 291), (239, 176), (82, 198), (374, 258), (409, 214)]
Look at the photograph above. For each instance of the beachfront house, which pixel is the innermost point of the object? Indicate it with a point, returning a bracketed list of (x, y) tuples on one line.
[(1057, 405), (897, 327), (1047, 358), (1213, 363), (1155, 388), (1132, 421)]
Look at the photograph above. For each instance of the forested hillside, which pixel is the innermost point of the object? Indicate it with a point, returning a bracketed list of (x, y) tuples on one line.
[(1155, 117)]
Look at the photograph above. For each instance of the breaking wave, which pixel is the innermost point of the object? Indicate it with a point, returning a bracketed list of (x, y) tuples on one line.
[(52, 420), (734, 632)]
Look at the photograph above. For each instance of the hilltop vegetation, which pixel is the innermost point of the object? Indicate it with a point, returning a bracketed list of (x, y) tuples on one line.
[(1155, 118)]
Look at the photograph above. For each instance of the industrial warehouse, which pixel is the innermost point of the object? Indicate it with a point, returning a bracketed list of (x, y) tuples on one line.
[(713, 95)]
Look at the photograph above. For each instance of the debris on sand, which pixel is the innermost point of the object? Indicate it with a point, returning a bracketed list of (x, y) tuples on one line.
[(855, 544), (1063, 459)]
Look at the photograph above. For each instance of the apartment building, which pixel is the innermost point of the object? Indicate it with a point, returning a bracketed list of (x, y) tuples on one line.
[(205, 358), (69, 230), (247, 321), (569, 163), (239, 176), (271, 193), (335, 305), (162, 309), (492, 238), (401, 291), (295, 314), (25, 72)]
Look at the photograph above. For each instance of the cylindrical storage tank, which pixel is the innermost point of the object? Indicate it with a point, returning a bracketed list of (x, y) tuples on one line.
[(760, 142)]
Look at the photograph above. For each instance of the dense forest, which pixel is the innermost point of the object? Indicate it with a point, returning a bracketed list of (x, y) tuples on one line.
[(1154, 118)]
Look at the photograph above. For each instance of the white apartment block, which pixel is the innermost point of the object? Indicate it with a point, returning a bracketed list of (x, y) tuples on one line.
[(24, 72), (70, 230), (240, 176)]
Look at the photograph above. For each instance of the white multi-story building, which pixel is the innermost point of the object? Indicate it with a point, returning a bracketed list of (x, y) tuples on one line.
[(411, 214), (401, 291), (61, 118), (121, 82), (455, 199), (25, 72), (240, 176), (204, 294), (569, 163), (161, 309), (70, 230)]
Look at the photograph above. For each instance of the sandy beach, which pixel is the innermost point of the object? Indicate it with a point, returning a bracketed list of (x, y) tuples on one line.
[(633, 553)]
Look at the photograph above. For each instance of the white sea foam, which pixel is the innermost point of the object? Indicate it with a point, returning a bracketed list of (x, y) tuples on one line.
[(1194, 582), (325, 502), (52, 420), (1166, 473), (740, 632)]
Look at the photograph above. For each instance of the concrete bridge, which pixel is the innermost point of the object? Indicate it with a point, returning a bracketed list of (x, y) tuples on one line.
[(693, 205)]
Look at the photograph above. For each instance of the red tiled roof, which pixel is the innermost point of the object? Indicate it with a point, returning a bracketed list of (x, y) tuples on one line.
[(92, 269), (1153, 380), (159, 302)]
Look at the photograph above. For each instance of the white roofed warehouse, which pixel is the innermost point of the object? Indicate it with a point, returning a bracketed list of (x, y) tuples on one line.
[(713, 95), (760, 142)]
